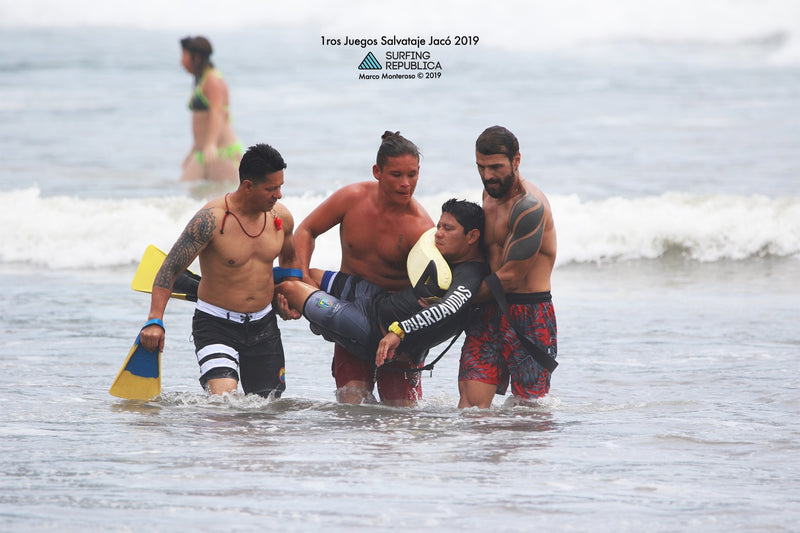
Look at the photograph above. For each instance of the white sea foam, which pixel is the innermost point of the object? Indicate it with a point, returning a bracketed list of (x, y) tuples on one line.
[(703, 228), (70, 232)]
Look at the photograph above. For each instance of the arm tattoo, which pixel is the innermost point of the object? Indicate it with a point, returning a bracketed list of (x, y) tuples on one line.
[(197, 234), (526, 222)]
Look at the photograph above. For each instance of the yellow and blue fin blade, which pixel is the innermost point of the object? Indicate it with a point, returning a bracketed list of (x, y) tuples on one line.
[(184, 288), (140, 376)]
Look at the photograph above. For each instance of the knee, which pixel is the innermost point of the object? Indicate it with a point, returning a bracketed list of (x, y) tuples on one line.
[(475, 394)]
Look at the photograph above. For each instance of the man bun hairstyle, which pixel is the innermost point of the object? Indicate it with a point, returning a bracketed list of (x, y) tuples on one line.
[(394, 145)]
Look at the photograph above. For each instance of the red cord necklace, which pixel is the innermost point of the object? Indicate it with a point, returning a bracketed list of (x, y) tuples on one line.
[(228, 212)]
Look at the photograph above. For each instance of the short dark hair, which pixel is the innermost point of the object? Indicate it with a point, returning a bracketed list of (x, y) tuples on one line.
[(468, 214), (394, 145), (258, 162), (497, 140)]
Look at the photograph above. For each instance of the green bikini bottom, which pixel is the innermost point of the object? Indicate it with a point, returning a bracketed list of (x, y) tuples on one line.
[(231, 152)]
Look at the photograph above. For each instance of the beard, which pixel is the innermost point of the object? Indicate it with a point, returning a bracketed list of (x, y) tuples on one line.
[(500, 186)]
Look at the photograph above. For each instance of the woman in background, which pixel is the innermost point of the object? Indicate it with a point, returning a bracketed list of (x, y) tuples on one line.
[(216, 151)]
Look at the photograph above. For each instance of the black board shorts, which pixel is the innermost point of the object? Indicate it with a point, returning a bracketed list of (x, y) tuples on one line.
[(250, 351)]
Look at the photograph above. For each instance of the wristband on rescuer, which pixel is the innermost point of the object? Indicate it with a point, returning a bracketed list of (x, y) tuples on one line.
[(279, 273), (156, 321)]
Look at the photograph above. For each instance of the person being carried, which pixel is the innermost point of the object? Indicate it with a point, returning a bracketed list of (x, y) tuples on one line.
[(377, 325), (379, 222), (216, 151), (237, 238), (520, 239)]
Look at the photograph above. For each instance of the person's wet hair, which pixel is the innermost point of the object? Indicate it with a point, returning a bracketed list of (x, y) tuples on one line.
[(468, 214), (395, 145), (258, 162), (497, 140)]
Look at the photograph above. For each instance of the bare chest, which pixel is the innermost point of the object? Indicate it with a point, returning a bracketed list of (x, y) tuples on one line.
[(240, 244), (496, 230), (378, 241)]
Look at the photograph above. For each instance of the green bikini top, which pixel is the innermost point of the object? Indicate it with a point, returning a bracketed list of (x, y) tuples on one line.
[(198, 101)]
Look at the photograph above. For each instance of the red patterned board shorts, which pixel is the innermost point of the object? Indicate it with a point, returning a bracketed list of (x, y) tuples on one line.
[(392, 385), (493, 354)]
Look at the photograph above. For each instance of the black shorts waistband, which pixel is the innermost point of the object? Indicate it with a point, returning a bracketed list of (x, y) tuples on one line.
[(529, 297)]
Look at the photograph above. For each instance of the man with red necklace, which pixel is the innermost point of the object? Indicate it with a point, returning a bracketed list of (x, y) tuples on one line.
[(379, 221), (237, 237)]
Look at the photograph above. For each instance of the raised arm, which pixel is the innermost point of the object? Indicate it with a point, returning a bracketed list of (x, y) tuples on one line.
[(324, 217)]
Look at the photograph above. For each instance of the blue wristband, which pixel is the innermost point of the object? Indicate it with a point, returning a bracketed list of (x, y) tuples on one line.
[(278, 273), (156, 321)]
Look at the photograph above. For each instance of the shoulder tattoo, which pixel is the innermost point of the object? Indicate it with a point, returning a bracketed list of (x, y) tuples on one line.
[(526, 224), (198, 233)]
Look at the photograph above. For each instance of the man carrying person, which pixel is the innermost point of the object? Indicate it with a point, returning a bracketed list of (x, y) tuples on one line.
[(520, 241), (379, 221), (237, 237), (377, 325)]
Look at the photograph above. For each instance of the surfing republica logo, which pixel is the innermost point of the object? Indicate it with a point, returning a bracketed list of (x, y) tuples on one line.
[(370, 62)]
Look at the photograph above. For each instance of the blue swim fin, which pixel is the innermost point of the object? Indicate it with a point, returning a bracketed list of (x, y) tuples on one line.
[(140, 375)]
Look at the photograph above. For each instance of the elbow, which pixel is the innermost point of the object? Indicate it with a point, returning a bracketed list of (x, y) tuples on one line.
[(510, 283)]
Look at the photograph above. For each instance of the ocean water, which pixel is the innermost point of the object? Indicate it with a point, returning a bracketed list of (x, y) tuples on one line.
[(665, 135)]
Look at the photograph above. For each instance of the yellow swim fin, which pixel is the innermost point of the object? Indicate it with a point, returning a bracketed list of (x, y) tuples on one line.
[(184, 288), (140, 375)]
